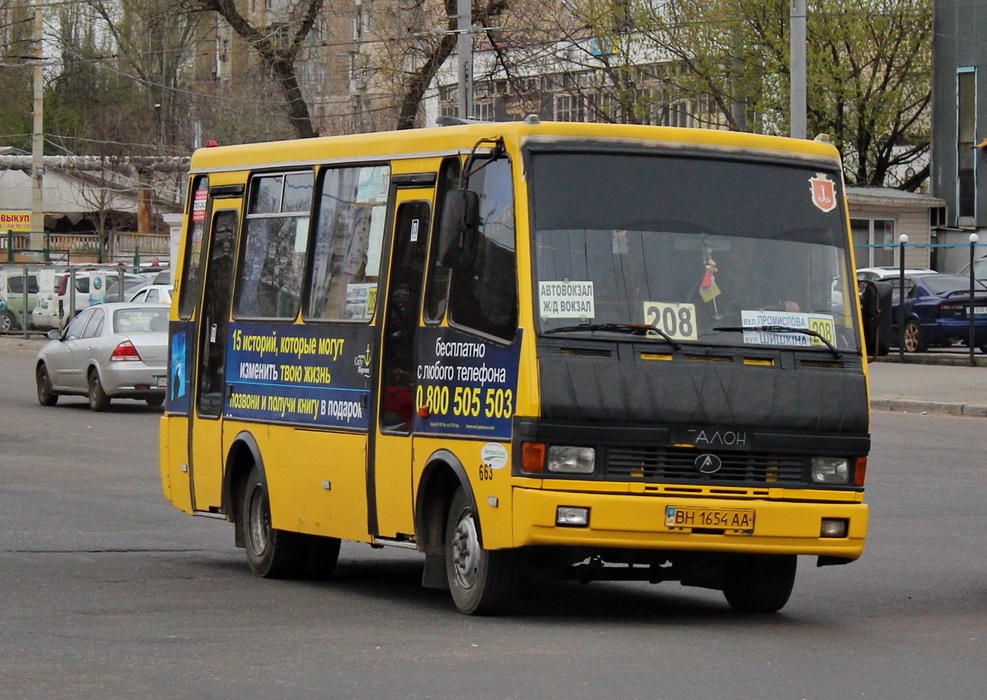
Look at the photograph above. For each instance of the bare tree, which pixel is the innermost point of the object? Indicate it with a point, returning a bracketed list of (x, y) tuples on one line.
[(278, 46)]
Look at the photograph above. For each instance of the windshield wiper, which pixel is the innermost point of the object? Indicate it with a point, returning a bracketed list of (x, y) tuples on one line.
[(783, 329), (629, 328)]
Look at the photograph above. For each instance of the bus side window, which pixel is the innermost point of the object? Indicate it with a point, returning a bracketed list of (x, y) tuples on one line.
[(437, 290), (194, 251), (349, 236), (275, 243), (483, 297)]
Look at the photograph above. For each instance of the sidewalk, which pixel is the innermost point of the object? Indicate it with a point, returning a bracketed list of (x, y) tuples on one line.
[(924, 384), (941, 387)]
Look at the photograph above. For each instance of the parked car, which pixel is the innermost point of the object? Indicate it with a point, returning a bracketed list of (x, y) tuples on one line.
[(91, 287), (885, 273), (44, 315), (979, 269), (116, 350), (936, 311), (130, 283), (151, 294), (13, 311)]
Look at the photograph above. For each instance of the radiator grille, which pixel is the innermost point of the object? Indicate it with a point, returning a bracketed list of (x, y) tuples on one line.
[(642, 463)]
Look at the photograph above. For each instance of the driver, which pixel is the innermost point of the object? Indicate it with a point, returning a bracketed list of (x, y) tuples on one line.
[(742, 279)]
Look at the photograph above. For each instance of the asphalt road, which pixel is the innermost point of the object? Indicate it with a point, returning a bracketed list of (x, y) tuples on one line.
[(106, 591)]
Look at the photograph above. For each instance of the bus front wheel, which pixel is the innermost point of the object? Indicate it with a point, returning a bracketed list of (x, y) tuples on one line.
[(482, 581), (758, 583), (271, 553)]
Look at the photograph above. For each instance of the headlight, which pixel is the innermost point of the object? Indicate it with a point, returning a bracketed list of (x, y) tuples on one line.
[(830, 470), (571, 460)]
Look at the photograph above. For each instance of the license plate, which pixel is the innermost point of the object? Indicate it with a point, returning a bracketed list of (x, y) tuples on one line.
[(161, 382), (678, 517)]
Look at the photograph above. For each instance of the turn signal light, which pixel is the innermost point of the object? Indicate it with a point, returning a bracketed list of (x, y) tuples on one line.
[(533, 457), (860, 471), (125, 352)]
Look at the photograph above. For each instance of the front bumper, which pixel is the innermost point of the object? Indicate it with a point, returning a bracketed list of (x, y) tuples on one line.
[(638, 522)]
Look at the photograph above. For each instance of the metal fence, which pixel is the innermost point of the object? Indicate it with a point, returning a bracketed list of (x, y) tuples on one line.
[(122, 246)]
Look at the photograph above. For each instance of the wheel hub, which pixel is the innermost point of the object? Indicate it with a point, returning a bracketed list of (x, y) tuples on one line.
[(258, 525), (466, 551)]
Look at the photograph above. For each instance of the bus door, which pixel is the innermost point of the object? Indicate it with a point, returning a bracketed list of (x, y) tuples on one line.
[(391, 449), (206, 424)]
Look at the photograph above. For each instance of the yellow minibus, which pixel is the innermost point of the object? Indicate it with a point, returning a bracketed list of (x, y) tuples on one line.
[(599, 352)]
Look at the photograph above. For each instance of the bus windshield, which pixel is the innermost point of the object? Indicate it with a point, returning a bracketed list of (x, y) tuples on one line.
[(691, 250)]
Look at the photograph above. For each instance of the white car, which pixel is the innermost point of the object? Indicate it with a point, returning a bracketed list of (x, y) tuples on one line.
[(888, 272), (151, 294)]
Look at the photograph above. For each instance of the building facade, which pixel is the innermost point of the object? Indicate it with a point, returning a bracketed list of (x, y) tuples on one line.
[(959, 118)]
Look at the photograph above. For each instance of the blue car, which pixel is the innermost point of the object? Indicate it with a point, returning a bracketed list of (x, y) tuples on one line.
[(936, 311)]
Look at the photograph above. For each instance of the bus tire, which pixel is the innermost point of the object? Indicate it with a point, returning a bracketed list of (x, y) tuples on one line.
[(759, 583), (271, 553), (323, 553), (482, 581)]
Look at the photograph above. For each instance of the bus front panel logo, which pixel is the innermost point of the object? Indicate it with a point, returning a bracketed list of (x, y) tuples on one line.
[(708, 464)]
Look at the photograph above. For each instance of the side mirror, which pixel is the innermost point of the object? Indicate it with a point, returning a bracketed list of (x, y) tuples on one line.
[(458, 232), (875, 307), (54, 334)]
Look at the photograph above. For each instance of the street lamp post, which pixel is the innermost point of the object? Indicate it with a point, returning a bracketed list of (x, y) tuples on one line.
[(902, 240), (973, 308)]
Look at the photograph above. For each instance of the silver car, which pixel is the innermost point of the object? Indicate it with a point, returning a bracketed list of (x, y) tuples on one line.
[(109, 351)]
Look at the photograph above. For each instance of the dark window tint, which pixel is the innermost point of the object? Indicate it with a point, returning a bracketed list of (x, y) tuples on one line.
[(404, 299), (966, 121), (215, 314), (437, 292), (194, 249), (276, 239), (483, 297), (15, 285)]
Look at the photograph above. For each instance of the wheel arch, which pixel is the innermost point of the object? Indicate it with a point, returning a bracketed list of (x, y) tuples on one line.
[(244, 454), (444, 473)]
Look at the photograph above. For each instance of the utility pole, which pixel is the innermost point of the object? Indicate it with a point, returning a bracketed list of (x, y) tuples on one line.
[(464, 27), (797, 42), (38, 139)]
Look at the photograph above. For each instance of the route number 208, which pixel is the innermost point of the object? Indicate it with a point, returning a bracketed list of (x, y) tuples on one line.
[(675, 320)]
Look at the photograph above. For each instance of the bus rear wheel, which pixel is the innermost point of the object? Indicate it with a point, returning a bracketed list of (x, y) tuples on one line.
[(482, 581), (271, 553), (757, 583)]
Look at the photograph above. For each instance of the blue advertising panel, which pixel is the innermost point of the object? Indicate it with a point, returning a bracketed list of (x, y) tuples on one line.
[(179, 367), (465, 385), (314, 375)]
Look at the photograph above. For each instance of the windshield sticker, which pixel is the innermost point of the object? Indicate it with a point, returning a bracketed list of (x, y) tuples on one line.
[(676, 321), (782, 328), (566, 299), (823, 192)]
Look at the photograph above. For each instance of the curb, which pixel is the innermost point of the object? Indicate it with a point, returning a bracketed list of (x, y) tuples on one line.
[(954, 360), (941, 408)]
